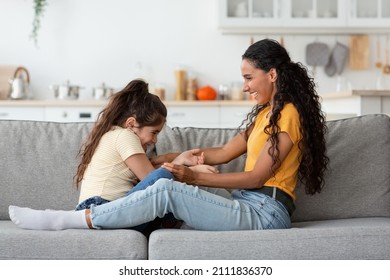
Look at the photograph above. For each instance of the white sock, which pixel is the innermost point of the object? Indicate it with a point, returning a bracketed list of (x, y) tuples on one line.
[(28, 218)]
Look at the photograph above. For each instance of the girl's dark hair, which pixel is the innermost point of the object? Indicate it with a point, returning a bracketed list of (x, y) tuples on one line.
[(132, 101), (293, 85)]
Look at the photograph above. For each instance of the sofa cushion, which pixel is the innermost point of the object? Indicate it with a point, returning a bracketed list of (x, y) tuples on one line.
[(360, 238), (71, 244), (357, 183), (38, 162)]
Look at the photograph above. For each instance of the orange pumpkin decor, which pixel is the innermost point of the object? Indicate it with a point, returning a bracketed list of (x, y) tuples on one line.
[(206, 93)]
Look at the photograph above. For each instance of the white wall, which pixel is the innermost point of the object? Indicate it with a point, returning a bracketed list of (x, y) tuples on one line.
[(93, 41)]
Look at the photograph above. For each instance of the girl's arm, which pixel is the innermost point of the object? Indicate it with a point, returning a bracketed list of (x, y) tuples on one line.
[(140, 165), (244, 180)]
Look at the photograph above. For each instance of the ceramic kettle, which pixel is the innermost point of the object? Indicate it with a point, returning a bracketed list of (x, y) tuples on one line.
[(19, 88)]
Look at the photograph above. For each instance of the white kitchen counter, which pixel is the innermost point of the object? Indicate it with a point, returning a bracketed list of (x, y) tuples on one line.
[(356, 103), (102, 103)]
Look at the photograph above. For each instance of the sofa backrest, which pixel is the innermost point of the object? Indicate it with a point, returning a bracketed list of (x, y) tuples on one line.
[(357, 183), (179, 139), (39, 159), (37, 163)]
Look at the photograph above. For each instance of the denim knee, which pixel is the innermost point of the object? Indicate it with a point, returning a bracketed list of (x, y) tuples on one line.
[(151, 178)]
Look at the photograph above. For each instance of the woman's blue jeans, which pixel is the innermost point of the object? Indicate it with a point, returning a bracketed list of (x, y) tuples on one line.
[(199, 207), (149, 180)]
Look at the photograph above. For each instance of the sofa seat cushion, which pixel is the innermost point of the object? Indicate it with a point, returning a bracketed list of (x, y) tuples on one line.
[(38, 162), (18, 244), (360, 238)]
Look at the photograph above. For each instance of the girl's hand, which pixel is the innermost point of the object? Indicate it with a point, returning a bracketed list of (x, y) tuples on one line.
[(157, 161), (190, 158)]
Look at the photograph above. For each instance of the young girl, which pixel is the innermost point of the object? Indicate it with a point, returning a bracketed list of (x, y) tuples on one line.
[(113, 159), (284, 141)]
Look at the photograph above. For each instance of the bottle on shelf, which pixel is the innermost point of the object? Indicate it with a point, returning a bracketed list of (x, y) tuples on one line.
[(180, 77)]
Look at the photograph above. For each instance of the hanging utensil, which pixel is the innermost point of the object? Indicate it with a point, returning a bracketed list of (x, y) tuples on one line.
[(317, 54), (337, 60), (386, 68), (378, 63), (282, 41), (359, 55)]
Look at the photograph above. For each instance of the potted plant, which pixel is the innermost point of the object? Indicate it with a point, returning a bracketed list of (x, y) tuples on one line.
[(39, 7)]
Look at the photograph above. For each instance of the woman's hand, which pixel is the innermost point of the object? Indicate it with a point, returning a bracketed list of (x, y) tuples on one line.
[(182, 173), (190, 158)]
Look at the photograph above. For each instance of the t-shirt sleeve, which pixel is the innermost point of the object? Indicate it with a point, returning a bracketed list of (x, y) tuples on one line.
[(289, 123), (128, 144)]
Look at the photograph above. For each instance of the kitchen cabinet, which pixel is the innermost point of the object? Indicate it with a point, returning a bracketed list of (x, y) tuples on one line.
[(208, 114), (373, 13), (232, 116), (71, 114), (51, 110), (22, 113), (355, 103), (304, 16), (193, 116)]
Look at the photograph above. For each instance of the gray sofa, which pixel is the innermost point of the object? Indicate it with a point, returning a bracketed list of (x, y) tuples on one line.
[(349, 219)]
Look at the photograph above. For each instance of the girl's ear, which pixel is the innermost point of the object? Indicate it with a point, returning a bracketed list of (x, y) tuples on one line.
[(130, 122)]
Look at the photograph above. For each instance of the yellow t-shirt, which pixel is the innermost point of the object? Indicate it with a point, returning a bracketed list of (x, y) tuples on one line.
[(107, 175), (286, 176)]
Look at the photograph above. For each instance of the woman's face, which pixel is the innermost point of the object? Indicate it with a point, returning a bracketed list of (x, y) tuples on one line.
[(258, 83)]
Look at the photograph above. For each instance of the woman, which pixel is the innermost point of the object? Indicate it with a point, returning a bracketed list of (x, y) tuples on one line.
[(283, 139)]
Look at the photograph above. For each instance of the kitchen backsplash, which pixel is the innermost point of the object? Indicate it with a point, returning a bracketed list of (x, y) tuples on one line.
[(109, 47)]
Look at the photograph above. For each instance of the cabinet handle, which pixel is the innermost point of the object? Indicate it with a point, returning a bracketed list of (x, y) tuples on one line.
[(177, 114), (85, 115), (64, 114), (4, 114)]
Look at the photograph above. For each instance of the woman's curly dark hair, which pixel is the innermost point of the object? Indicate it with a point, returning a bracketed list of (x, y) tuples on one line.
[(293, 85)]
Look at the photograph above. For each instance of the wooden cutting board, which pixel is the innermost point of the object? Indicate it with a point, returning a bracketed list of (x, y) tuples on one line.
[(359, 52), (6, 73)]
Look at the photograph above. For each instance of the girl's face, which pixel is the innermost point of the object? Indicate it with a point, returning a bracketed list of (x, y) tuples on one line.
[(146, 134), (258, 83)]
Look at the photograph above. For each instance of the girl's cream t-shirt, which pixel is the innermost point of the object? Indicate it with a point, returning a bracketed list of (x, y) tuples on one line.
[(107, 175)]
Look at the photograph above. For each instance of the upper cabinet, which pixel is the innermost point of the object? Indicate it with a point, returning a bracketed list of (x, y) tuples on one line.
[(373, 13), (304, 16)]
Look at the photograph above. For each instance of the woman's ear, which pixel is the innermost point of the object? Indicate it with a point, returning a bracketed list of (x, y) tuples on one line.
[(130, 122), (273, 75)]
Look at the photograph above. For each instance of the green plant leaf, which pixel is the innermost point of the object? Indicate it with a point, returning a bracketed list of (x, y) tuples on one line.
[(39, 7)]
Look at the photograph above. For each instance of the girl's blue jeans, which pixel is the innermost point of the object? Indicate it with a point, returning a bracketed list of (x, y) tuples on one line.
[(199, 207)]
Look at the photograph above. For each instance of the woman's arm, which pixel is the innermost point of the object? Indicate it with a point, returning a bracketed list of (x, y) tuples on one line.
[(244, 180), (215, 155), (231, 150)]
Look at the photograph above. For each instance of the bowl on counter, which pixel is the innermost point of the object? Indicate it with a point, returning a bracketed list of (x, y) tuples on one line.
[(66, 91), (102, 92)]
